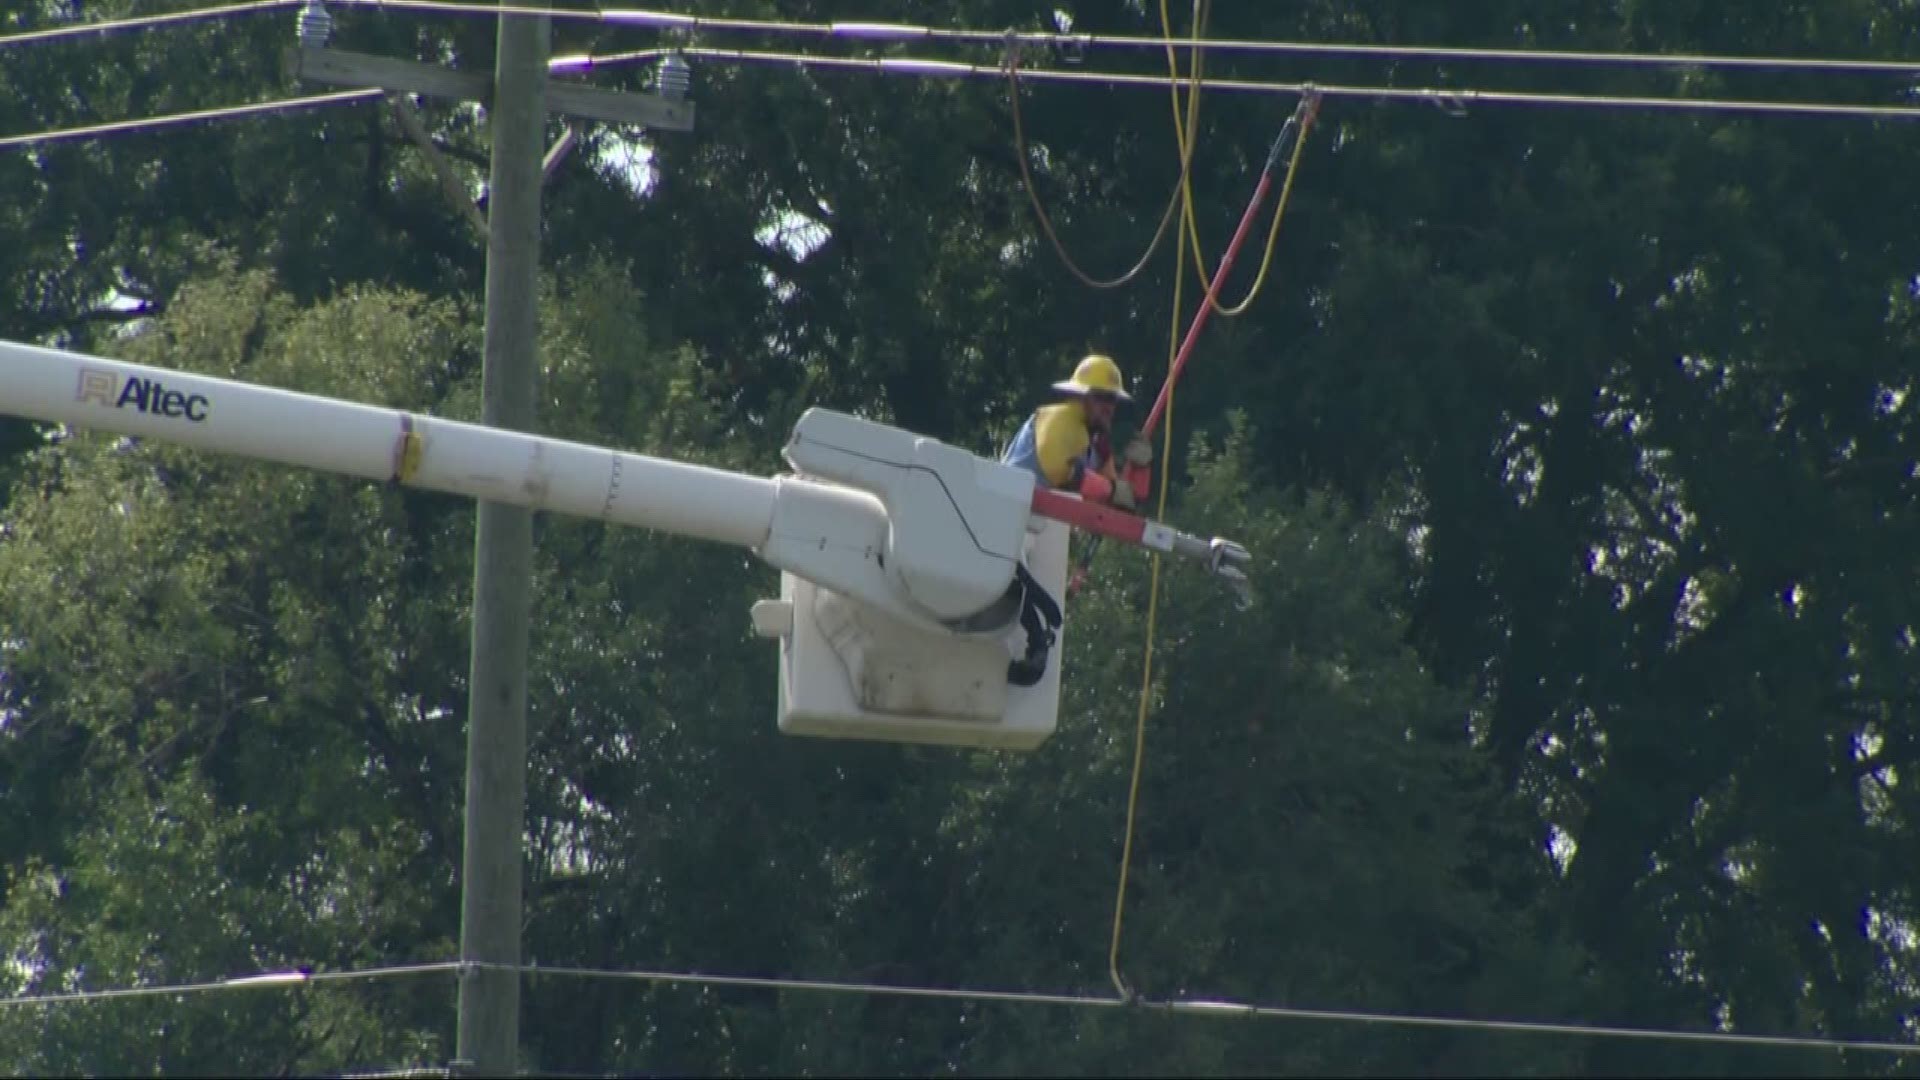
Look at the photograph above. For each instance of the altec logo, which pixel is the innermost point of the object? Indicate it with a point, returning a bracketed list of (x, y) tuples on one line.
[(139, 394)]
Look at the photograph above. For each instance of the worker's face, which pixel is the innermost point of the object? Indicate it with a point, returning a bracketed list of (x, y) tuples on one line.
[(1100, 412)]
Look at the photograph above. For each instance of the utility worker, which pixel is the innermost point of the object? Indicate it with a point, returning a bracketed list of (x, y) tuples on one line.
[(1069, 445)]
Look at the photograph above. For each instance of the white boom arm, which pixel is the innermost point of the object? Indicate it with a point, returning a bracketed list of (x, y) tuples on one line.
[(925, 532), (384, 444), (942, 554)]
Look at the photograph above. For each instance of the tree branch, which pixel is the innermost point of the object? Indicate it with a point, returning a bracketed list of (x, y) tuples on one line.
[(409, 119)]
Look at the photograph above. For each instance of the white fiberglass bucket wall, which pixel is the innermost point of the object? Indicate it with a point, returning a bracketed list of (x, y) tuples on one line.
[(851, 672)]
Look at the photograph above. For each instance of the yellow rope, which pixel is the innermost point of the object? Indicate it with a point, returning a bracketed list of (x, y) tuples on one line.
[(1273, 233), (1184, 136)]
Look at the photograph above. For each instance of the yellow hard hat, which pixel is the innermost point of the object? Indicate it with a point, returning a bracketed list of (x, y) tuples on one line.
[(1095, 375)]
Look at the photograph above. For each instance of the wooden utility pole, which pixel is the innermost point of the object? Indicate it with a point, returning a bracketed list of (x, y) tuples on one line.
[(488, 1035)]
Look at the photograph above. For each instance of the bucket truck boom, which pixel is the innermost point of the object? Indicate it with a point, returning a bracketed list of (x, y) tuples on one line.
[(906, 565)]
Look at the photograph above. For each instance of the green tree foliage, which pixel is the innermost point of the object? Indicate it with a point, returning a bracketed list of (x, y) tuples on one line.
[(1648, 376), (228, 724), (16, 438)]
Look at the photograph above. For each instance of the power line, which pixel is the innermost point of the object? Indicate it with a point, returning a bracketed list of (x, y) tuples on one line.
[(120, 127), (876, 31), (142, 22), (1017, 997), (263, 981), (1188, 1007), (1225, 1009), (1450, 99), (908, 32)]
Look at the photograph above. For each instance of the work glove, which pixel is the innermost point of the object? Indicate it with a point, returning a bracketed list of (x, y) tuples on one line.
[(1139, 451)]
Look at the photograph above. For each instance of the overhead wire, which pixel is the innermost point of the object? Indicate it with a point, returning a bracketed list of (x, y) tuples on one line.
[(885, 31), (262, 981), (1449, 98), (1228, 1009), (872, 31), (1179, 1006), (140, 22), (226, 112)]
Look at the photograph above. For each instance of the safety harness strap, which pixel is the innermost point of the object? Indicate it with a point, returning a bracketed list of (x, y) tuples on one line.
[(1039, 616)]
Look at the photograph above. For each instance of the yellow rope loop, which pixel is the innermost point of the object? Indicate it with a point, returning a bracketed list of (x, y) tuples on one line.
[(1184, 133), (1279, 211)]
